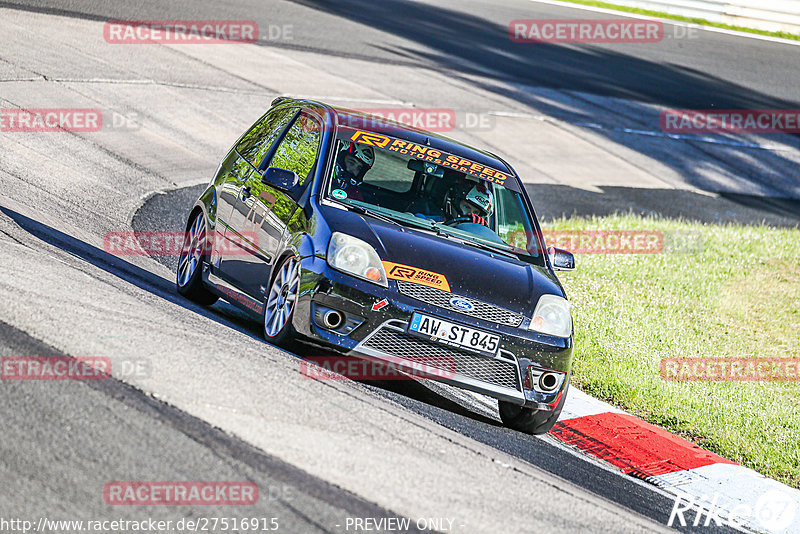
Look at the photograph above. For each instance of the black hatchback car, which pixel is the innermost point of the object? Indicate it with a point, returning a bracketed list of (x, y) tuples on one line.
[(385, 242)]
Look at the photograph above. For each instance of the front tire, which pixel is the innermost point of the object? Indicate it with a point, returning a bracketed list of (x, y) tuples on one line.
[(190, 263), (528, 421), (280, 303)]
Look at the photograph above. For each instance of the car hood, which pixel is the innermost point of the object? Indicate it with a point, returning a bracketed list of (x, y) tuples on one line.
[(472, 272)]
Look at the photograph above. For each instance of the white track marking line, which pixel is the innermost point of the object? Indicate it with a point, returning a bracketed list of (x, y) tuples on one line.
[(649, 133), (703, 27), (221, 89)]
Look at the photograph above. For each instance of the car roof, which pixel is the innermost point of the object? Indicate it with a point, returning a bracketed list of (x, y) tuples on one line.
[(347, 118)]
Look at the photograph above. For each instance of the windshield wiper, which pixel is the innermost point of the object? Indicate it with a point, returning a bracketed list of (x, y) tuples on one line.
[(491, 248), (379, 216), (476, 244)]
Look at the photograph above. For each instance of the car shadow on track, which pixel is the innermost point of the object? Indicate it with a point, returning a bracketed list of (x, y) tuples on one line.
[(418, 391)]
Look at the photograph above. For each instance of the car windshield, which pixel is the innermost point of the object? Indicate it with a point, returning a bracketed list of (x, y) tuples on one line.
[(430, 192)]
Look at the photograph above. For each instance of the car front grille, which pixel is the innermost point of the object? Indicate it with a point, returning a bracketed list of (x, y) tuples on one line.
[(480, 310), (396, 342)]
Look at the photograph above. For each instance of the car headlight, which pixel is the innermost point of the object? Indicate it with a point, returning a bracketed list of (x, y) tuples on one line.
[(353, 256), (553, 315)]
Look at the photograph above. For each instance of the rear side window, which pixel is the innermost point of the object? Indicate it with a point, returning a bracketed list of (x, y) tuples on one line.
[(299, 148), (257, 142)]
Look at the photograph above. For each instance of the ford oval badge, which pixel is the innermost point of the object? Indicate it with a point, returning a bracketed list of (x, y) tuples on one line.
[(461, 304)]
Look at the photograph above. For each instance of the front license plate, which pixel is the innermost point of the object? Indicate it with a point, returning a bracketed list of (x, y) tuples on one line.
[(453, 334)]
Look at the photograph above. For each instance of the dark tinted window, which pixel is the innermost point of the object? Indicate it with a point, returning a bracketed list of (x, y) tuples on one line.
[(298, 150), (257, 142)]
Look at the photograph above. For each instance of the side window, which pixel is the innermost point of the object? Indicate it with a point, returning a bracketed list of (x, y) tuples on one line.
[(298, 150), (257, 142), (509, 208)]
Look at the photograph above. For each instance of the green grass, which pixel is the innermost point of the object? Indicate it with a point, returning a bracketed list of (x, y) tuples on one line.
[(662, 15), (737, 297)]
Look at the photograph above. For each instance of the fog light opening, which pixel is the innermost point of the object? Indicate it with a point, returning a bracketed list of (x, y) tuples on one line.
[(548, 382), (332, 319)]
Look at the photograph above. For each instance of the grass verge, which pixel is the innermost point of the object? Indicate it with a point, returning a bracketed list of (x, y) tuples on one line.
[(738, 296), (704, 22)]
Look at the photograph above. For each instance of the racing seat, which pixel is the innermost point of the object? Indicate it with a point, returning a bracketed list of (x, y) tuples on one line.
[(430, 198)]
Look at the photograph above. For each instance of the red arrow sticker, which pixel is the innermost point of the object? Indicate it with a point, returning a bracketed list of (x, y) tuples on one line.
[(378, 306)]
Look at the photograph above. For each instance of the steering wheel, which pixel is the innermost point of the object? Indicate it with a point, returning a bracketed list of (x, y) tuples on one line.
[(458, 220)]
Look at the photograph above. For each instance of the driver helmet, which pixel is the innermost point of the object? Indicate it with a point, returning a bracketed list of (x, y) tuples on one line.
[(480, 197), (352, 163), (474, 201)]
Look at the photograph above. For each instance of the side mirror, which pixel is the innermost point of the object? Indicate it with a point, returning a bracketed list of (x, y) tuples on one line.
[(280, 179), (560, 259)]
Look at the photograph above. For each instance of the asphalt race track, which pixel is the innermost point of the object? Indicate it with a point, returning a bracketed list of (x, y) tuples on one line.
[(200, 396)]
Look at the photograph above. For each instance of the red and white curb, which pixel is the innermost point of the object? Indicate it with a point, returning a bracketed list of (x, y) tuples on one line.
[(724, 491)]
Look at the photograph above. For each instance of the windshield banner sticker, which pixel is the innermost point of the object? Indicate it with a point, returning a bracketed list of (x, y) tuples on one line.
[(398, 271), (371, 139), (432, 155)]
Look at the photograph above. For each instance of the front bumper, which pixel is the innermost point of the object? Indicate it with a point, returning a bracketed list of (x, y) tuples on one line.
[(378, 331)]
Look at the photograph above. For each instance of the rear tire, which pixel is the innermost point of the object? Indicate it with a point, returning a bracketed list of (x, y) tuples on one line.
[(190, 263), (529, 421)]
